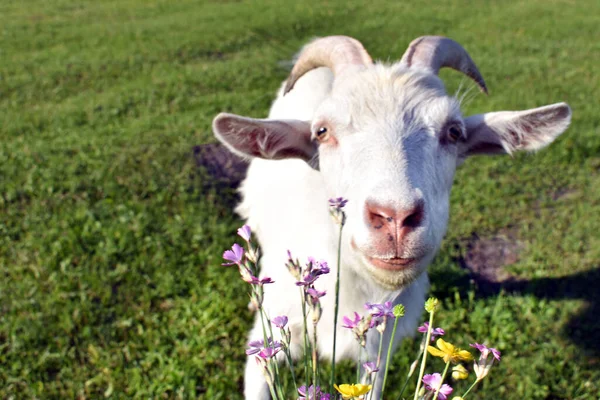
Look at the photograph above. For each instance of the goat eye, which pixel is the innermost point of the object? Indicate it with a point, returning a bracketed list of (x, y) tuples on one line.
[(322, 134), (454, 133)]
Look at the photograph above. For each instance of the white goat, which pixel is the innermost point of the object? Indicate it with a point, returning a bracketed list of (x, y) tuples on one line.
[(386, 137)]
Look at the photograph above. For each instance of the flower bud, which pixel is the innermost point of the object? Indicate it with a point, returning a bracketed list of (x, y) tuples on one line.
[(459, 372), (432, 304), (398, 311)]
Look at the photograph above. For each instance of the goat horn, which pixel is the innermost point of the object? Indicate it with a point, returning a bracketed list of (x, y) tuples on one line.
[(435, 52), (335, 52)]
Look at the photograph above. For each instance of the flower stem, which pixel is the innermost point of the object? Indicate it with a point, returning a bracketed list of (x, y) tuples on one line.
[(305, 334), (378, 356), (424, 360), (315, 364), (437, 391), (337, 302), (470, 387), (389, 354), (360, 349)]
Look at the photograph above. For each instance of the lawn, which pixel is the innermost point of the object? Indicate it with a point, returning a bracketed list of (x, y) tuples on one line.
[(111, 243)]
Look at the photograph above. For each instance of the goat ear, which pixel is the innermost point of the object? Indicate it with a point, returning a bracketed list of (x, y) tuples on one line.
[(509, 131), (265, 138)]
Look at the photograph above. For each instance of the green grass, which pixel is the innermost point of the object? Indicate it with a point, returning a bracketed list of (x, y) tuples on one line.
[(110, 251)]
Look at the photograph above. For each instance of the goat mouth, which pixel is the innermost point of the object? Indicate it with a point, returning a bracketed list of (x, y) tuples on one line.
[(392, 264)]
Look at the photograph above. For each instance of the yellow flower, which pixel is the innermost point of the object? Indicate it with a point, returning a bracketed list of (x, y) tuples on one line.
[(448, 352), (459, 372), (352, 391), (457, 398)]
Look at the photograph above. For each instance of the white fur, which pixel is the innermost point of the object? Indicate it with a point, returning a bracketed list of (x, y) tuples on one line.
[(388, 122)]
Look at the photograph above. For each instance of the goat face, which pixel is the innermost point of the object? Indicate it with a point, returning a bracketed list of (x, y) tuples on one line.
[(389, 138), (388, 141)]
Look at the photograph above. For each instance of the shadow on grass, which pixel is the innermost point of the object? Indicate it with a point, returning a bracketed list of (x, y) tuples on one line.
[(583, 328)]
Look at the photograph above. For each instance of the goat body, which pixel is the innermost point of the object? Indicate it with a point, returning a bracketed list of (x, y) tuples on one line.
[(393, 139)]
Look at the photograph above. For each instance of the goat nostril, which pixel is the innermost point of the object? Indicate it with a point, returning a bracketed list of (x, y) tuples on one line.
[(415, 218)]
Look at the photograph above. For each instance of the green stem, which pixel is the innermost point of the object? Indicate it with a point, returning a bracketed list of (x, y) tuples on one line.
[(315, 365), (358, 363), (270, 382), (378, 355), (288, 355), (424, 360), (337, 302), (471, 387), (389, 354), (306, 341), (437, 391)]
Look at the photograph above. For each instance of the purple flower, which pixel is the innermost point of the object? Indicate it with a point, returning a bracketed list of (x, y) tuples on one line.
[(337, 202), (485, 351), (312, 393), (263, 281), (318, 268), (280, 321), (256, 346), (433, 381), (269, 352), (314, 294), (245, 232), (370, 367), (434, 332), (380, 310), (351, 323), (313, 270), (235, 255)]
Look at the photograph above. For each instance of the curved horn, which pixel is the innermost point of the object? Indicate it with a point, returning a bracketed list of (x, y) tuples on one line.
[(435, 52), (335, 52)]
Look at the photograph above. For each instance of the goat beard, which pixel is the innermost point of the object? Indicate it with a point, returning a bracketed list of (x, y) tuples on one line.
[(396, 280)]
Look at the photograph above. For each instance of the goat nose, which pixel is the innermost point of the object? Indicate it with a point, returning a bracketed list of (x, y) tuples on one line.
[(397, 222)]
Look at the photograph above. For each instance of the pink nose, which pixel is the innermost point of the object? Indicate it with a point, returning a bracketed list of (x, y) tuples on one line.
[(392, 225)]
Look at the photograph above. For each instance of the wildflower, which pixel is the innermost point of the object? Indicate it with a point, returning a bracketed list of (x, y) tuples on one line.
[(433, 381), (370, 367), (244, 233), (293, 266), (380, 313), (457, 398), (312, 393), (352, 391), (269, 352), (459, 372), (313, 270), (434, 332), (380, 310), (280, 321), (482, 366), (255, 346), (351, 323), (448, 352), (335, 209), (318, 268), (432, 304), (485, 351), (314, 295), (337, 203), (235, 255), (360, 330), (256, 281)]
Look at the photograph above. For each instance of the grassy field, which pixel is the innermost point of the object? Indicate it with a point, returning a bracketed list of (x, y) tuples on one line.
[(110, 248)]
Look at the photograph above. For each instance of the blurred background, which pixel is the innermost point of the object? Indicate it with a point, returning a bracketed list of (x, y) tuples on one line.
[(111, 234)]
